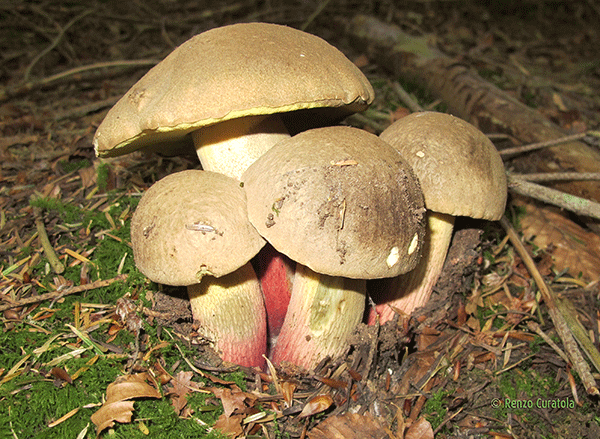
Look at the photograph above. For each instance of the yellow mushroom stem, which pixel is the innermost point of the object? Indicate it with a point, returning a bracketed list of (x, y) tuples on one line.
[(323, 312), (231, 313), (230, 147), (413, 289)]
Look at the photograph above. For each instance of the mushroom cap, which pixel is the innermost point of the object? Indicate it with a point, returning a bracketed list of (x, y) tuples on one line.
[(340, 201), (192, 223), (229, 72), (459, 168)]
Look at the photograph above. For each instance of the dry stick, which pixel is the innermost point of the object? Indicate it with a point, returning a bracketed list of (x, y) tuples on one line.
[(406, 98), (54, 43), (32, 85), (563, 330), (65, 292), (580, 206), (558, 176), (539, 145), (314, 15), (55, 263)]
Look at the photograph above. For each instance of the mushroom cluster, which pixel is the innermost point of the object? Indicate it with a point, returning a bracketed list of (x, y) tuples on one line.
[(330, 206)]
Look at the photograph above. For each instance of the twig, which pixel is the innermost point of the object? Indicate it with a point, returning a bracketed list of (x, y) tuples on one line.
[(25, 87), (314, 15), (550, 299), (65, 292), (55, 263), (580, 206), (568, 311), (539, 145), (54, 43), (406, 98), (558, 176), (533, 326)]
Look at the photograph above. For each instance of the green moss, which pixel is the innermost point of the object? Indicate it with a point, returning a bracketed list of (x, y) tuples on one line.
[(102, 176), (74, 165), (436, 408)]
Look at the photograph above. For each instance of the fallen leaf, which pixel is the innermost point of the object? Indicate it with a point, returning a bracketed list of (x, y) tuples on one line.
[(570, 245), (182, 385), (316, 405), (233, 399), (109, 413), (420, 429), (61, 374), (118, 407), (348, 426), (230, 425)]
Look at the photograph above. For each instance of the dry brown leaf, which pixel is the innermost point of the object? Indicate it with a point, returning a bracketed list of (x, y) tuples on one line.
[(570, 245), (348, 426), (182, 386), (316, 405), (233, 399), (230, 425), (421, 429), (118, 407), (109, 413)]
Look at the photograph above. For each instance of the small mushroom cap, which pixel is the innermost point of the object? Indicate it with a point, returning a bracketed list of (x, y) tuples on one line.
[(459, 168), (340, 201), (230, 72), (190, 224)]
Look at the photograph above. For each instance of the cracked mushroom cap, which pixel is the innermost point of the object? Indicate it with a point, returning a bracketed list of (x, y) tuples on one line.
[(229, 72), (340, 201), (190, 224), (459, 168)]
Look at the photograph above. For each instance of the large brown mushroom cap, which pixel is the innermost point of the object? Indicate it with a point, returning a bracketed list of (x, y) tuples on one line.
[(192, 223), (459, 168), (230, 72), (340, 201)]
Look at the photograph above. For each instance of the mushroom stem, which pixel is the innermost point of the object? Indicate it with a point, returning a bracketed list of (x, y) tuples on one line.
[(412, 290), (231, 313), (323, 312), (230, 147), (275, 272)]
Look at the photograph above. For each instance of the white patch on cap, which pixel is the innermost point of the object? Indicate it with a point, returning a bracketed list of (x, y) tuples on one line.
[(393, 257), (420, 154), (413, 244)]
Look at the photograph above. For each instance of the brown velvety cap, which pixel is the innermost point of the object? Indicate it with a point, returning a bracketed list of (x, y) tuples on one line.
[(340, 201), (192, 223), (230, 72), (459, 168)]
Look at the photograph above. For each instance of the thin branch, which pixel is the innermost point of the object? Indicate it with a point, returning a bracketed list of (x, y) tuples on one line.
[(559, 176), (54, 43), (578, 205), (539, 145), (66, 292), (563, 330), (25, 87), (53, 260), (406, 98)]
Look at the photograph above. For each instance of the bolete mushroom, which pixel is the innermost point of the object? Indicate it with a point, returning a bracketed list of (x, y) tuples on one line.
[(227, 87), (230, 89), (461, 174), (191, 229), (346, 207)]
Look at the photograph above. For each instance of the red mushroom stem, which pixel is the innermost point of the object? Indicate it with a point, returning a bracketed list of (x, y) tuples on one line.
[(231, 313), (275, 272), (323, 312)]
